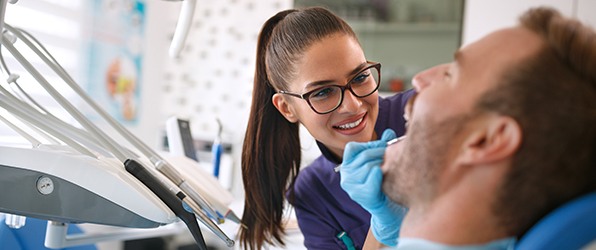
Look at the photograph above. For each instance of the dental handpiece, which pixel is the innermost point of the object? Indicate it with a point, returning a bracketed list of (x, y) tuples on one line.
[(175, 177), (201, 216), (166, 193), (395, 140), (173, 201), (389, 143)]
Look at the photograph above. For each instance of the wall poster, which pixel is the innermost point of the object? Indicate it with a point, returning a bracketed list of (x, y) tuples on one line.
[(115, 56)]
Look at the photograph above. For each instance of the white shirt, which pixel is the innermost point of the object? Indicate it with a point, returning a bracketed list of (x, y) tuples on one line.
[(421, 244)]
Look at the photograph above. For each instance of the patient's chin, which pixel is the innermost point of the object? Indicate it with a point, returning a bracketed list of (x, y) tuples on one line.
[(392, 153)]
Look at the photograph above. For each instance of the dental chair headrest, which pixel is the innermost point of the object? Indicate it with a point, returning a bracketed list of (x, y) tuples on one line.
[(571, 226)]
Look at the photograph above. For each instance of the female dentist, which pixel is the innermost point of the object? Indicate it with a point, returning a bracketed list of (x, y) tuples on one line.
[(310, 70)]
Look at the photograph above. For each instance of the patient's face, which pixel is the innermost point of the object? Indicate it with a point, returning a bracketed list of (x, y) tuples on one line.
[(440, 121)]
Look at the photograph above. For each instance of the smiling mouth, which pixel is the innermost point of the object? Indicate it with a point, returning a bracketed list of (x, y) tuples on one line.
[(350, 125)]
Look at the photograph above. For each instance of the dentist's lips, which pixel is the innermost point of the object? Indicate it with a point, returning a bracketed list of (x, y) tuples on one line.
[(351, 126)]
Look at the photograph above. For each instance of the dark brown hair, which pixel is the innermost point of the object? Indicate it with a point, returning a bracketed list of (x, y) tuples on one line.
[(271, 151), (552, 95)]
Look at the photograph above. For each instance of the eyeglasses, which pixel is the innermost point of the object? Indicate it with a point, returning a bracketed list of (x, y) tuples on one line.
[(326, 99)]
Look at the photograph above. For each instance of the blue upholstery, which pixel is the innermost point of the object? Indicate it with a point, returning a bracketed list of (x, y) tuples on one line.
[(571, 226), (32, 236)]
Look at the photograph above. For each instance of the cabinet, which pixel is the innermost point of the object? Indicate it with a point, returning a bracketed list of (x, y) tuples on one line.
[(585, 11), (405, 49), (482, 17), (405, 36)]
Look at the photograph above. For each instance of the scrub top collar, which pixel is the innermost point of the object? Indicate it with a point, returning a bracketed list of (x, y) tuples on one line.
[(327, 154)]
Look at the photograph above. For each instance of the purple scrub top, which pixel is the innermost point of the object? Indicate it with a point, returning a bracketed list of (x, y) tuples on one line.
[(323, 208)]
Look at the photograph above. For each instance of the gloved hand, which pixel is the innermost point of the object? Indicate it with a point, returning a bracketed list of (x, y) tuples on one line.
[(361, 178)]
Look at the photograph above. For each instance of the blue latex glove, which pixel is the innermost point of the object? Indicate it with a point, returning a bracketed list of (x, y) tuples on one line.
[(361, 178)]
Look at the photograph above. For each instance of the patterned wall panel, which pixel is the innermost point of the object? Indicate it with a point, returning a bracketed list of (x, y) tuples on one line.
[(213, 76)]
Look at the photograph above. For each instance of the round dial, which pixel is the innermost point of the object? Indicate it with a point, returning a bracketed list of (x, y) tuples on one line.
[(45, 185)]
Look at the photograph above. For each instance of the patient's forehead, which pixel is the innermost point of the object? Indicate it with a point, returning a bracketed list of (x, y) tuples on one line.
[(490, 56)]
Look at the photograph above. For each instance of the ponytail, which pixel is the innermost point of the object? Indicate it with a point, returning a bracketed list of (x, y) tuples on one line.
[(270, 156), (271, 151)]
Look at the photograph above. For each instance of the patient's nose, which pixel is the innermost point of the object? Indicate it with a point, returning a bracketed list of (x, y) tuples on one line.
[(426, 77), (420, 82)]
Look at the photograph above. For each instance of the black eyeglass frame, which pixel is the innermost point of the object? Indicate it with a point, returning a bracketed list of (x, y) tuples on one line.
[(343, 88)]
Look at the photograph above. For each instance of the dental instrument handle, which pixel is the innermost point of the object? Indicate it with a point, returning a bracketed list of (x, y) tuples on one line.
[(201, 216), (202, 202), (171, 200), (389, 143), (216, 150), (175, 177)]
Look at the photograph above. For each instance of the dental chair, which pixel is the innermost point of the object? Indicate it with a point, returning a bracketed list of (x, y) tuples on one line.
[(571, 226), (32, 236)]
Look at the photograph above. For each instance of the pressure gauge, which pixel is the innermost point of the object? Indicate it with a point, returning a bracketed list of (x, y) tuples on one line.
[(45, 185)]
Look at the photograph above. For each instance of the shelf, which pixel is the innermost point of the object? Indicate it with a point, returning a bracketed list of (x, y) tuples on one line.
[(363, 27)]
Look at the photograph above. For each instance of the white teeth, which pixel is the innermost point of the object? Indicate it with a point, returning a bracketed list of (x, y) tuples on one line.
[(350, 125)]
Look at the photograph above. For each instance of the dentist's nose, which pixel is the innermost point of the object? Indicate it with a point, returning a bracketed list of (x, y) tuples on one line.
[(351, 103)]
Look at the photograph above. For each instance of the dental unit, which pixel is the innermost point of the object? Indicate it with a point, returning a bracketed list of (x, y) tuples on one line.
[(82, 175)]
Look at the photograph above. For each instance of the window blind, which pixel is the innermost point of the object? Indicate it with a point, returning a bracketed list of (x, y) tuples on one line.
[(59, 26)]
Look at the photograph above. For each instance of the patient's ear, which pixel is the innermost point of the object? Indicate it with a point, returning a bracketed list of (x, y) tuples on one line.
[(496, 138), (284, 108)]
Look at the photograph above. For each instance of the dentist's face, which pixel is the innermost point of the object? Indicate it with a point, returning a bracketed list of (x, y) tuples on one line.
[(442, 114), (334, 60)]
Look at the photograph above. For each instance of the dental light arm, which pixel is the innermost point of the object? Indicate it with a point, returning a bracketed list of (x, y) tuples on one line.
[(183, 26)]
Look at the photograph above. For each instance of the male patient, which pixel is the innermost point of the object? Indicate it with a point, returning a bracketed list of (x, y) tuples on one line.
[(497, 139)]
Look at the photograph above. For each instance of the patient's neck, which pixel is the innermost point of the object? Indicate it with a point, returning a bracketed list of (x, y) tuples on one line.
[(459, 216)]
